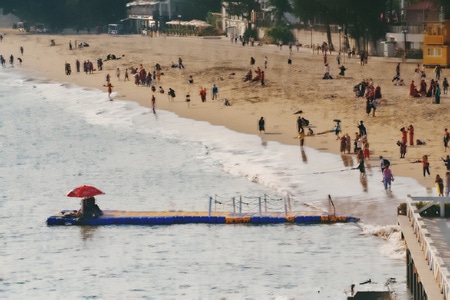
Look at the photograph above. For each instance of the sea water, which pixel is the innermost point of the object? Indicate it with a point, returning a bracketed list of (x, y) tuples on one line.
[(56, 136)]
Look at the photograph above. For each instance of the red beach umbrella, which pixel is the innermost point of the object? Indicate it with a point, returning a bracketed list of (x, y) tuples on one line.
[(84, 191)]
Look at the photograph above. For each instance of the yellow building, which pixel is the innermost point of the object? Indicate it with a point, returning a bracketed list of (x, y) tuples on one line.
[(436, 43)]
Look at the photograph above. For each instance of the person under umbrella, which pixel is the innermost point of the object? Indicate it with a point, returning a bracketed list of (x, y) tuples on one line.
[(89, 209)]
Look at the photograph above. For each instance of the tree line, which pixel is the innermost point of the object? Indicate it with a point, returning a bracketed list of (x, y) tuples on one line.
[(366, 19), (92, 13)]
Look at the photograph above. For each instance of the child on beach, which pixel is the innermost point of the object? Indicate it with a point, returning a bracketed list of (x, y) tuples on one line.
[(388, 177)]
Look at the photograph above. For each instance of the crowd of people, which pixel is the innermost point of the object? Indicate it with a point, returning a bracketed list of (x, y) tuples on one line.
[(366, 89)]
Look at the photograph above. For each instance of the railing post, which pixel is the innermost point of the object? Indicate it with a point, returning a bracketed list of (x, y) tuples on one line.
[(442, 207), (234, 206), (289, 198), (285, 207), (210, 206), (265, 203), (260, 210), (240, 205)]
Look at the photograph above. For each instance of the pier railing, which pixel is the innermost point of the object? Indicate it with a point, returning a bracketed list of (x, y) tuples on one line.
[(440, 271), (262, 205), (242, 205)]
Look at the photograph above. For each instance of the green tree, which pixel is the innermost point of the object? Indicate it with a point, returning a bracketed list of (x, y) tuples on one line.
[(241, 8), (360, 19), (63, 13), (281, 7), (197, 9), (282, 33)]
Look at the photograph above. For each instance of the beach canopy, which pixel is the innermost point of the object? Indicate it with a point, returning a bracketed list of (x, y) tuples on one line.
[(84, 191)]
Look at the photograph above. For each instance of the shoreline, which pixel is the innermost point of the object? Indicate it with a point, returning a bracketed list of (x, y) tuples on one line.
[(288, 88)]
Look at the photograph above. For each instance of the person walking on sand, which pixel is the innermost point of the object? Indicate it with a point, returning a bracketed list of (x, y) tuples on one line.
[(118, 74), (446, 139), (437, 94), (261, 125), (110, 90), (437, 72), (180, 63), (362, 129), (299, 124), (446, 162), (382, 165), (301, 137), (202, 94), (337, 130), (361, 167), (388, 177), (215, 92), (154, 104), (445, 85), (366, 149), (188, 99), (404, 134), (425, 165), (348, 142), (402, 149), (439, 185), (411, 134)]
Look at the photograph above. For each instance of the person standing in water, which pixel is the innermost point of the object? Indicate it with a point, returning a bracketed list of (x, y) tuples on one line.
[(261, 125), (388, 177), (109, 90)]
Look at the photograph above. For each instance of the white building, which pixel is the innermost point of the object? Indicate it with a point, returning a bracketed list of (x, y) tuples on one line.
[(144, 14)]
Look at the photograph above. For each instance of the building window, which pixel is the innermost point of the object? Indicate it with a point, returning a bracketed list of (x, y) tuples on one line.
[(434, 52)]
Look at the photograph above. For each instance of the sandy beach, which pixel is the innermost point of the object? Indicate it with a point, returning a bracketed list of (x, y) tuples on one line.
[(288, 88)]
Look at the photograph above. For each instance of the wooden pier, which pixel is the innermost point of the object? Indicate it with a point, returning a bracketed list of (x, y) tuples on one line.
[(427, 249)]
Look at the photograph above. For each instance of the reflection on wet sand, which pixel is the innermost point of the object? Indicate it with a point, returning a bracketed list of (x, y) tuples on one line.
[(304, 158), (347, 160), (263, 141)]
